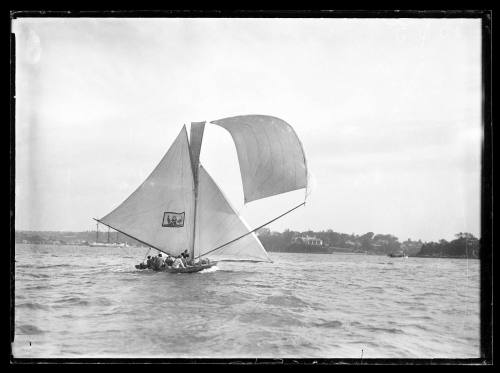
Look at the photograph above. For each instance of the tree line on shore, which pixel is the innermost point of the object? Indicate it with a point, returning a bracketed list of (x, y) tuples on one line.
[(465, 245), (73, 238)]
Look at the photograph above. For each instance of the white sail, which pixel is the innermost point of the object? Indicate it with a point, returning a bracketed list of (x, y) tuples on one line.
[(161, 211), (218, 223), (270, 155)]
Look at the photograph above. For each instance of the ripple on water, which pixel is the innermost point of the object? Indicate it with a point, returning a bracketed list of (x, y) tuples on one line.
[(271, 319), (75, 301), (36, 287), (375, 289), (28, 329), (383, 330), (263, 286), (56, 266), (32, 306), (364, 343), (286, 301), (328, 324), (36, 275), (418, 326)]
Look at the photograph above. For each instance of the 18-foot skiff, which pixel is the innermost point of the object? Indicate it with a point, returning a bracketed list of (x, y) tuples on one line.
[(179, 206)]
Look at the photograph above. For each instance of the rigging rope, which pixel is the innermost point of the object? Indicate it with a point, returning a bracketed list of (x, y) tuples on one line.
[(246, 234), (135, 238)]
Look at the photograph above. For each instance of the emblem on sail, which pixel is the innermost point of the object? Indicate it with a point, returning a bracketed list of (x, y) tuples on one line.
[(182, 195), (173, 219)]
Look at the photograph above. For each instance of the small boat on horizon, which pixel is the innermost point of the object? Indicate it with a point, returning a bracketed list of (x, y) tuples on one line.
[(107, 244), (398, 255), (96, 243)]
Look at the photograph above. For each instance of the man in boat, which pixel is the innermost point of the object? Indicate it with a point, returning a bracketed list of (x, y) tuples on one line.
[(178, 262), (169, 261), (157, 262), (153, 262), (148, 262), (185, 258), (160, 261)]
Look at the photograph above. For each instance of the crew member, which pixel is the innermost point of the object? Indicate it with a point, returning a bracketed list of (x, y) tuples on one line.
[(178, 262)]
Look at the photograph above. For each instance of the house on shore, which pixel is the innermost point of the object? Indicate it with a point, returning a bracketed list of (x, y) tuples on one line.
[(308, 240)]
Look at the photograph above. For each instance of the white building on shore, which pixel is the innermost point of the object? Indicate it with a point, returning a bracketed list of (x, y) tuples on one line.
[(308, 240)]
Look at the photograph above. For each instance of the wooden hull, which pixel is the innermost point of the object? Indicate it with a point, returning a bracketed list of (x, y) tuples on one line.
[(192, 269)]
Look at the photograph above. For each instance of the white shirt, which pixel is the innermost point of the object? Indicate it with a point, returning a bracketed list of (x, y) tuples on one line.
[(178, 263)]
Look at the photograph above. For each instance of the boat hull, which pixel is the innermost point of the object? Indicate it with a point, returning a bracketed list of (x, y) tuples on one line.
[(192, 269)]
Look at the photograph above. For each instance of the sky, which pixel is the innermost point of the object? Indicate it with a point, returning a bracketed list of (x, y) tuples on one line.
[(388, 112)]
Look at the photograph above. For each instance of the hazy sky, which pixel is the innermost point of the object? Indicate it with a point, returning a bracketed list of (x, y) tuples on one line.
[(388, 111)]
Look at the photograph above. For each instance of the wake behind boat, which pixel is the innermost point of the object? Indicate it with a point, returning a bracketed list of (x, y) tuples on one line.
[(179, 207)]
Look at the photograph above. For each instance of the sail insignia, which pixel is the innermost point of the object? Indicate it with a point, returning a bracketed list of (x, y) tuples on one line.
[(173, 219)]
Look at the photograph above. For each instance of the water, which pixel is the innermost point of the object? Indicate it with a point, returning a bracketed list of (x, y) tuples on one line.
[(73, 301)]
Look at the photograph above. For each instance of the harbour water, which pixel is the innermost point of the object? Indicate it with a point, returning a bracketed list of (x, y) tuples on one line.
[(80, 301)]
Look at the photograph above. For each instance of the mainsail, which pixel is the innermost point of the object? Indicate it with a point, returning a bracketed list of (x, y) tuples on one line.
[(218, 223), (165, 197), (270, 155)]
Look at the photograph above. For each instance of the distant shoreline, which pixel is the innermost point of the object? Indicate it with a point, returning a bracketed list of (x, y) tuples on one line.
[(335, 252), (465, 245)]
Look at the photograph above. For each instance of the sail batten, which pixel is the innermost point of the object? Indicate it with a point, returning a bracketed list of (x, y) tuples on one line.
[(270, 154)]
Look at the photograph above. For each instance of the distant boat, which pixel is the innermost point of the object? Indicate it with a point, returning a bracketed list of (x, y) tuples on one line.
[(398, 255), (105, 244), (179, 206)]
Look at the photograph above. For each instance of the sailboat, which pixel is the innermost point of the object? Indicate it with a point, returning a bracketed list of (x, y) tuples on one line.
[(104, 244), (179, 206)]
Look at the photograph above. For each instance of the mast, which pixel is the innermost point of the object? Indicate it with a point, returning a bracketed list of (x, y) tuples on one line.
[(97, 233), (195, 139)]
